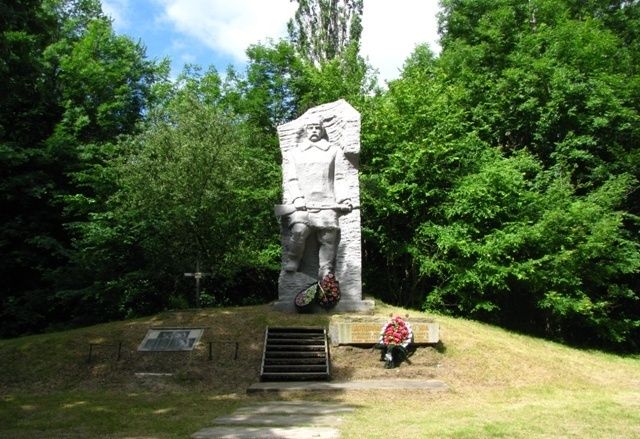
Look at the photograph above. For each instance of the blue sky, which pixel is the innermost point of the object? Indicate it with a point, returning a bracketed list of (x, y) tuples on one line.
[(217, 32)]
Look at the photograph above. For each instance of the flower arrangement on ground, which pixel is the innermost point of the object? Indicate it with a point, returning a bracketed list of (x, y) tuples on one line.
[(395, 337)]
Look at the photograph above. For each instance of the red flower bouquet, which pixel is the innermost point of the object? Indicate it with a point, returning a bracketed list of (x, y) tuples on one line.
[(325, 293), (328, 291), (395, 337), (396, 332)]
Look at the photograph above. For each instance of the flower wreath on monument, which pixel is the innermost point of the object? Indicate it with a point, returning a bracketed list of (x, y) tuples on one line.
[(395, 337), (325, 293)]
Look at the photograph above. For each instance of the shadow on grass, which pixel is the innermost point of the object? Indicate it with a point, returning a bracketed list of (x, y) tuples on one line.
[(103, 414)]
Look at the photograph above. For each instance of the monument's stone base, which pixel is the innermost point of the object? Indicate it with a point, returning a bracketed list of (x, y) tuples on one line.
[(344, 306), (291, 284), (365, 330)]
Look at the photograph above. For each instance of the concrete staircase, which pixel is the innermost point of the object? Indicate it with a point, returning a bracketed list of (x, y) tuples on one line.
[(295, 354)]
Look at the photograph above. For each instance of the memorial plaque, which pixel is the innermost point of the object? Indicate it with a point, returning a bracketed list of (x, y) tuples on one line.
[(170, 339), (365, 330)]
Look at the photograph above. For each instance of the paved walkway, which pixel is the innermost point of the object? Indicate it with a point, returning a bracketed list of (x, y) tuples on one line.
[(279, 419), (299, 419), (395, 384)]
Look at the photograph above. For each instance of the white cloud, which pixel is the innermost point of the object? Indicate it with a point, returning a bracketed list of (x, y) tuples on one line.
[(229, 26), (118, 10), (391, 32), (391, 29)]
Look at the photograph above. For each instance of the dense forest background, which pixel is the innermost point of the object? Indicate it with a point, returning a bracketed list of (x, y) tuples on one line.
[(499, 179)]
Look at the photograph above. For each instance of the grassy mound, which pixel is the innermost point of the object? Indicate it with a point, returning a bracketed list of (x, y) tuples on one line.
[(501, 384)]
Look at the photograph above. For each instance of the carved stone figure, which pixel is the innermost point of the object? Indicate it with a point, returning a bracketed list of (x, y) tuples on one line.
[(320, 216), (314, 175)]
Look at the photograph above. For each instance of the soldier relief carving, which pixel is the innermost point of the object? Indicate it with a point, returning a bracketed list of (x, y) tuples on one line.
[(319, 214), (314, 177)]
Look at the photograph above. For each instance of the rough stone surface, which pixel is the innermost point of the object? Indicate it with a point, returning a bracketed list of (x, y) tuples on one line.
[(267, 433), (295, 408), (365, 330), (279, 419), (342, 124)]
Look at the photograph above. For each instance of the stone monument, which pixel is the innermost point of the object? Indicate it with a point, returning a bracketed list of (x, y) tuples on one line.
[(320, 211)]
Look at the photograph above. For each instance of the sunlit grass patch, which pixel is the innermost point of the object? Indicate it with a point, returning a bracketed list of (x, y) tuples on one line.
[(500, 384)]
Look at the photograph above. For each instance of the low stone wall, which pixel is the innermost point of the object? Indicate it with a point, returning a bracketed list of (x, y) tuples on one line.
[(365, 330)]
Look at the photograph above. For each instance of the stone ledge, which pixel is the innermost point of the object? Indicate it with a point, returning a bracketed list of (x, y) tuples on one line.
[(267, 433), (365, 330), (384, 385), (365, 306)]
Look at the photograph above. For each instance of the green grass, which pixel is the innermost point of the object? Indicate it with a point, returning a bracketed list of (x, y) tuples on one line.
[(501, 384), (83, 414)]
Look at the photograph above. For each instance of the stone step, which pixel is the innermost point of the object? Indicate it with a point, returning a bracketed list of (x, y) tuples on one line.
[(345, 386), (289, 347), (305, 343), (296, 341), (267, 433), (298, 354), (279, 419), (296, 334), (294, 376), (282, 420), (298, 361), (295, 368), (292, 408), (296, 330)]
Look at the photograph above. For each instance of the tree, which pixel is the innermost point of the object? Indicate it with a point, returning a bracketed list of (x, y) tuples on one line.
[(416, 144), (28, 112), (558, 77), (326, 36), (512, 161), (270, 91), (323, 30), (191, 188), (69, 85), (519, 247)]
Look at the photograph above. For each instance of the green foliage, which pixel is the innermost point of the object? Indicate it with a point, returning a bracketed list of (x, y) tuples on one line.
[(269, 93), (279, 84), (69, 86), (519, 247), (194, 187), (103, 82), (348, 77), (29, 228), (500, 178), (556, 78), (326, 38), (415, 146)]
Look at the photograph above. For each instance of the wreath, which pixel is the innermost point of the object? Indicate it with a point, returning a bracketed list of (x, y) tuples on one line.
[(328, 291), (305, 299), (395, 337), (325, 293)]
